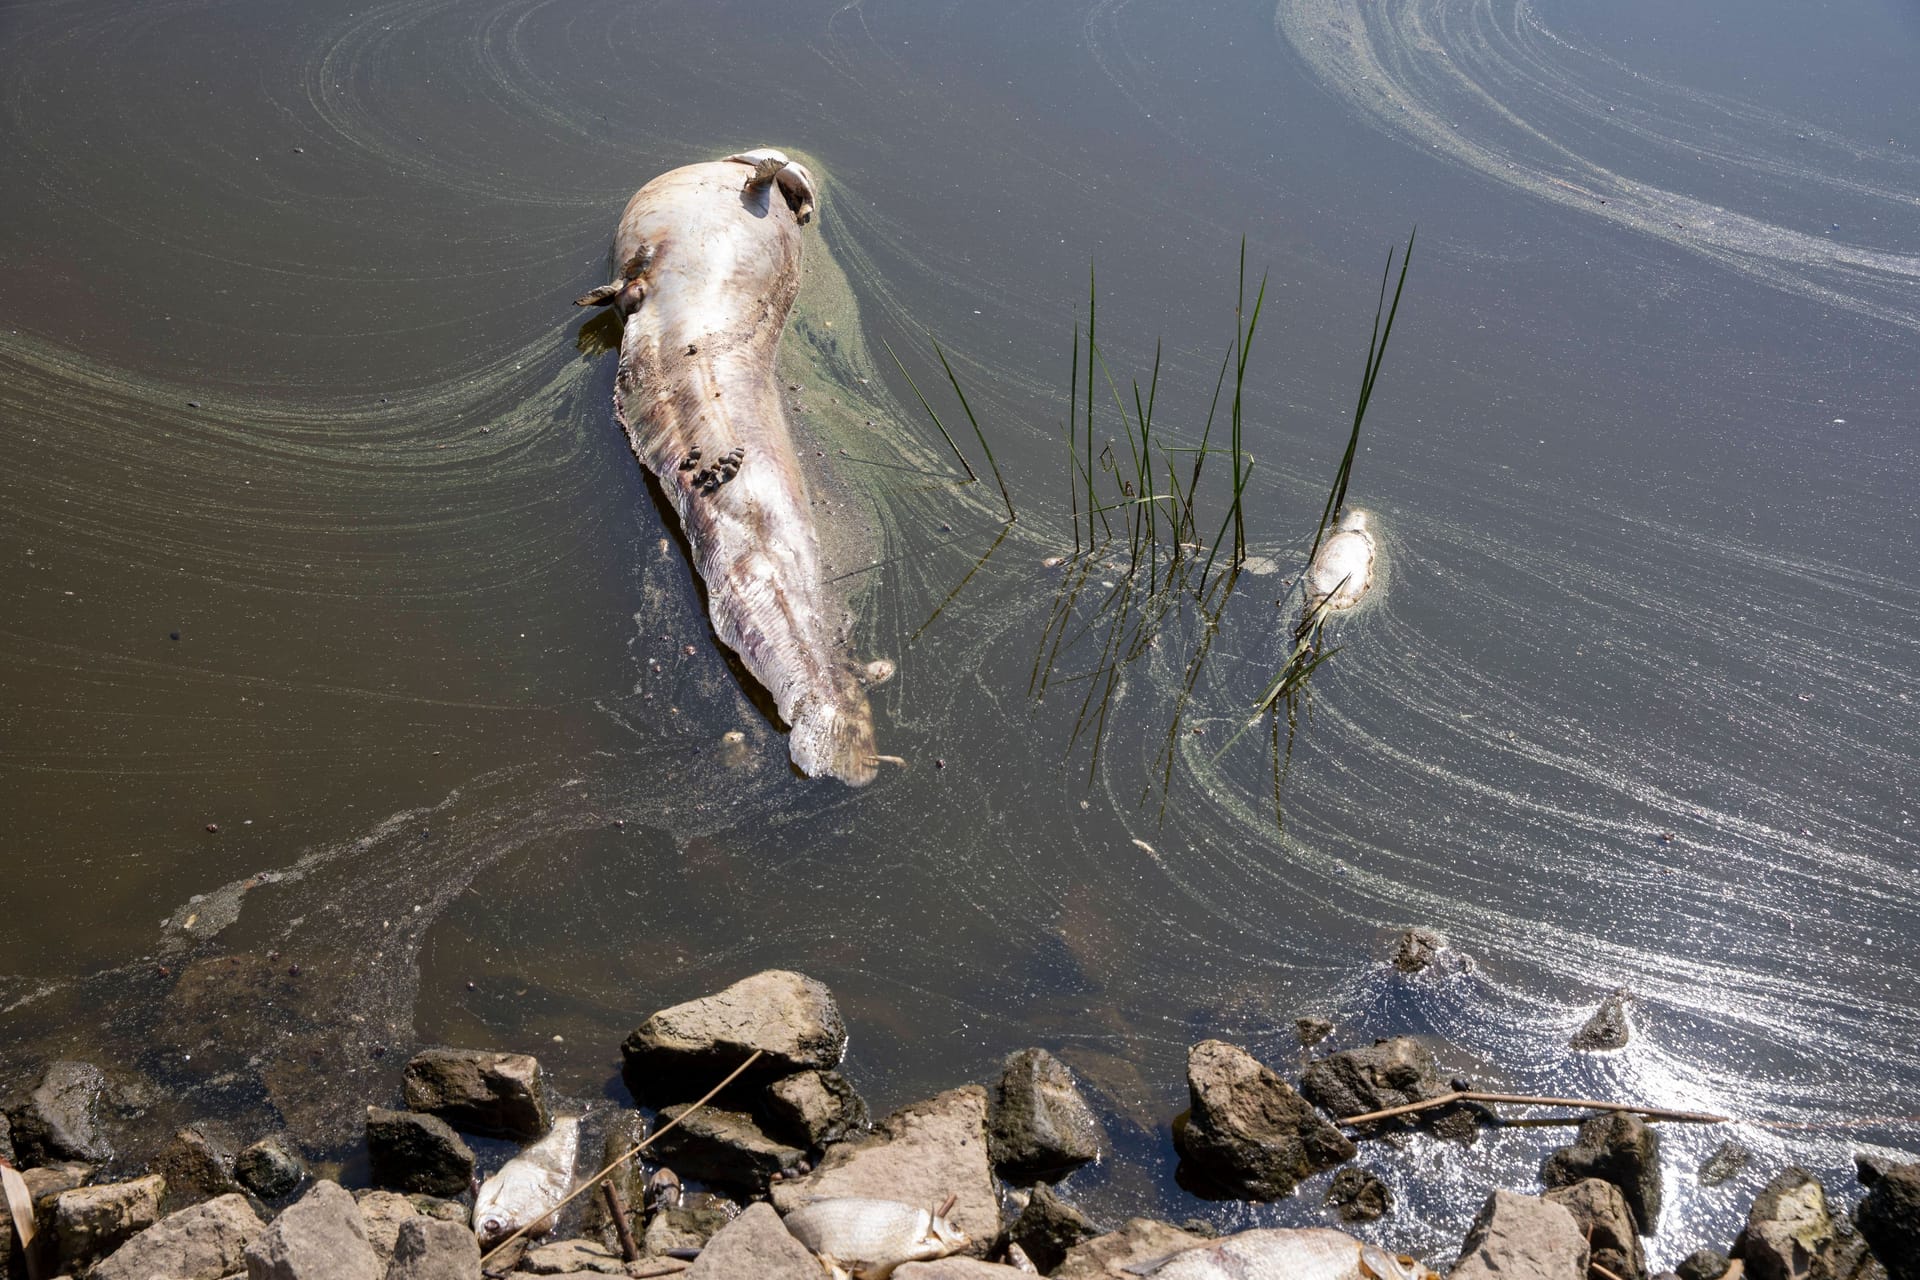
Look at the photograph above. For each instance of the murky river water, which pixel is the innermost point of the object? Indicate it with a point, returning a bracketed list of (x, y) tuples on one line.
[(317, 531)]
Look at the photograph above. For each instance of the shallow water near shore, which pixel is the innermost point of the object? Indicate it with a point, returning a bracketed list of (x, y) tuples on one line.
[(287, 372)]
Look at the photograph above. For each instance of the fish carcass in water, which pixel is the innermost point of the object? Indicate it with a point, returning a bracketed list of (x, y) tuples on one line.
[(867, 1239), (707, 264), (1342, 569), (530, 1186), (1284, 1253)]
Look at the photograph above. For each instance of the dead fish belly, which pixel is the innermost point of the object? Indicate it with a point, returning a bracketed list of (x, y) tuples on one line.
[(1286, 1253), (1342, 569), (872, 1237), (708, 271)]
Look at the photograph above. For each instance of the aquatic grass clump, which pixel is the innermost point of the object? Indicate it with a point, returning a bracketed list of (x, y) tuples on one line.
[(1154, 556)]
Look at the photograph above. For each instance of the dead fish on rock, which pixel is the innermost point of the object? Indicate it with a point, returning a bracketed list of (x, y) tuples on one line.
[(707, 265), (530, 1186), (1284, 1253), (1342, 568), (866, 1239)]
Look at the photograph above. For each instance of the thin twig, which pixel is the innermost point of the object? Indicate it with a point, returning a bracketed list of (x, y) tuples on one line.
[(1527, 1100), (1604, 1273), (632, 1151)]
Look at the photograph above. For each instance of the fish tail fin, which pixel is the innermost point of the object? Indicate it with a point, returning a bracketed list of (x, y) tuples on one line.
[(833, 734)]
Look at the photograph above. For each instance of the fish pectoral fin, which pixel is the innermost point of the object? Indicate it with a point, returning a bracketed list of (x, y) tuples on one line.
[(833, 1267), (796, 184), (600, 296)]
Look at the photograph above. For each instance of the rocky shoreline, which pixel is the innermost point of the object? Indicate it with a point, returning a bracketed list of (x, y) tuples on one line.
[(784, 1175)]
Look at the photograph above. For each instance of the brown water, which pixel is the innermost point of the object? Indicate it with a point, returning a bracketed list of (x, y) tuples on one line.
[(287, 370)]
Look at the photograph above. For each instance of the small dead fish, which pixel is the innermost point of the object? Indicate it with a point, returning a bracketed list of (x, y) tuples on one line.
[(664, 1190), (867, 1239), (1342, 569), (1284, 1253), (530, 1186)]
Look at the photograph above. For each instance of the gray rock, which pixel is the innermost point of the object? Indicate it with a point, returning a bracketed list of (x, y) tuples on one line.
[(417, 1153), (429, 1249), (1048, 1227), (683, 1227), (920, 1154), (205, 1242), (955, 1269), (498, 1094), (320, 1236), (1415, 949), (1787, 1227), (1312, 1030), (1359, 1195), (44, 1185), (1608, 1028), (1107, 1257), (1040, 1126), (1522, 1238), (572, 1258), (1247, 1131), (1703, 1264), (196, 1166), (1889, 1220), (1613, 1240), (1869, 1168), (383, 1213), (270, 1168), (1848, 1257), (719, 1146), (91, 1222), (6, 1139), (1727, 1159), (1621, 1148), (814, 1108), (683, 1050), (1388, 1073), (62, 1119), (755, 1244)]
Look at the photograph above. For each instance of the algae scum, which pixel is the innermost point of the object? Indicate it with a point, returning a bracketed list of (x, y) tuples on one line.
[(287, 371)]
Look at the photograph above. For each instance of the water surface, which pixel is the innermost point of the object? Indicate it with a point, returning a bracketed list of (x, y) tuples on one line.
[(289, 374)]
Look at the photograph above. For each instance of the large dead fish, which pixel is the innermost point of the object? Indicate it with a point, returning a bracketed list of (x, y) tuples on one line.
[(707, 263), (867, 1239), (530, 1186), (1284, 1253)]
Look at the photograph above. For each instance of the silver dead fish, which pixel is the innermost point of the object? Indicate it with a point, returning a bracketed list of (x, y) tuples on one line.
[(1282, 1253), (1342, 568), (867, 1239), (530, 1186), (707, 264)]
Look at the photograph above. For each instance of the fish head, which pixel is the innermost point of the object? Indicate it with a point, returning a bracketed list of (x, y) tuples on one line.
[(943, 1235), (490, 1228), (1377, 1264)]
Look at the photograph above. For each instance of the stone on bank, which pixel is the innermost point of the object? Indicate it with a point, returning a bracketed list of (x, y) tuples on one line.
[(1247, 1132), (682, 1051)]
